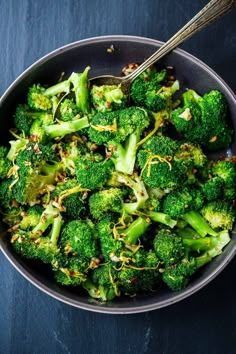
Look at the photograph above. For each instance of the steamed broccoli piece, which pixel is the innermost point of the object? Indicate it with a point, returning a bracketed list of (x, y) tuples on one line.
[(107, 98), (226, 170), (70, 198), (6, 194), (161, 218), (61, 129), (177, 276), (137, 187), (152, 91), (105, 283), (42, 241), (81, 89), (92, 171), (68, 153), (106, 201), (168, 246), (36, 170), (135, 230), (198, 223), (213, 188), (220, 214), (82, 238), (39, 97), (24, 117), (31, 217), (120, 131), (70, 271), (204, 119), (160, 168), (182, 199), (69, 110), (5, 164), (99, 292)]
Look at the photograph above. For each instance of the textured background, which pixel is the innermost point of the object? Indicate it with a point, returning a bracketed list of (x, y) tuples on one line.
[(32, 322)]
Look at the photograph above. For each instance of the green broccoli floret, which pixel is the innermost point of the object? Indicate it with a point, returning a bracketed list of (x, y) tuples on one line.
[(31, 217), (70, 271), (213, 188), (108, 98), (120, 131), (104, 279), (177, 276), (182, 199), (220, 214), (92, 172), (68, 153), (42, 241), (82, 237), (168, 246), (5, 164), (81, 89), (204, 119), (160, 99), (70, 198), (35, 170), (39, 97), (106, 201), (6, 194), (160, 168), (69, 110)]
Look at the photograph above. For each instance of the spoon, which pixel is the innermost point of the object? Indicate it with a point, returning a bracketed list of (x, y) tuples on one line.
[(209, 13)]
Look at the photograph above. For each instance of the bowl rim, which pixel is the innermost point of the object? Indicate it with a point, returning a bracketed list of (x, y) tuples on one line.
[(92, 307)]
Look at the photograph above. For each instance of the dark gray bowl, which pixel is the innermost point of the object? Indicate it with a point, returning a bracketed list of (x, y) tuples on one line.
[(74, 57)]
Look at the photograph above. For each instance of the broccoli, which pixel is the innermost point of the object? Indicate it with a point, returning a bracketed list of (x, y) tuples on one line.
[(82, 238), (204, 119), (213, 188), (106, 201), (39, 97), (160, 168), (81, 90), (226, 170), (31, 217), (107, 98), (5, 164), (69, 110), (182, 199), (120, 131), (168, 246), (7, 200), (41, 242), (105, 279), (92, 171), (177, 276), (220, 214), (70, 271)]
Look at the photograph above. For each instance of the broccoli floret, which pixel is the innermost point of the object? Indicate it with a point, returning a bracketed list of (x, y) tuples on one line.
[(168, 246), (70, 198), (5, 164), (105, 283), (31, 217), (106, 201), (82, 238), (220, 214), (68, 153), (160, 99), (81, 89), (181, 200), (160, 168), (41, 241), (204, 120), (136, 185), (177, 276), (69, 110), (70, 271), (6, 194), (39, 98), (92, 172), (213, 188), (120, 131), (226, 170), (108, 98), (35, 171)]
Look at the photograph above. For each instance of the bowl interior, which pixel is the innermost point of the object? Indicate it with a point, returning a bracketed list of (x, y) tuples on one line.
[(191, 73)]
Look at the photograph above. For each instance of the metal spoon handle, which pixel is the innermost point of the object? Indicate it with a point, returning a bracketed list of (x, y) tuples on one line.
[(213, 10)]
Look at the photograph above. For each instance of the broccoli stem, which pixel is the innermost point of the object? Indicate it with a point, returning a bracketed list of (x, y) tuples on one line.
[(161, 218), (198, 223), (15, 147), (100, 292), (62, 129), (80, 83), (124, 156), (50, 216), (63, 86), (136, 229)]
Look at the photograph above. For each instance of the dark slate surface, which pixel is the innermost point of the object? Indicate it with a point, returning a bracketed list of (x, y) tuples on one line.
[(32, 322)]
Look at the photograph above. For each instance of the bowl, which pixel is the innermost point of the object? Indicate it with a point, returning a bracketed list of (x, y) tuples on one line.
[(108, 55)]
